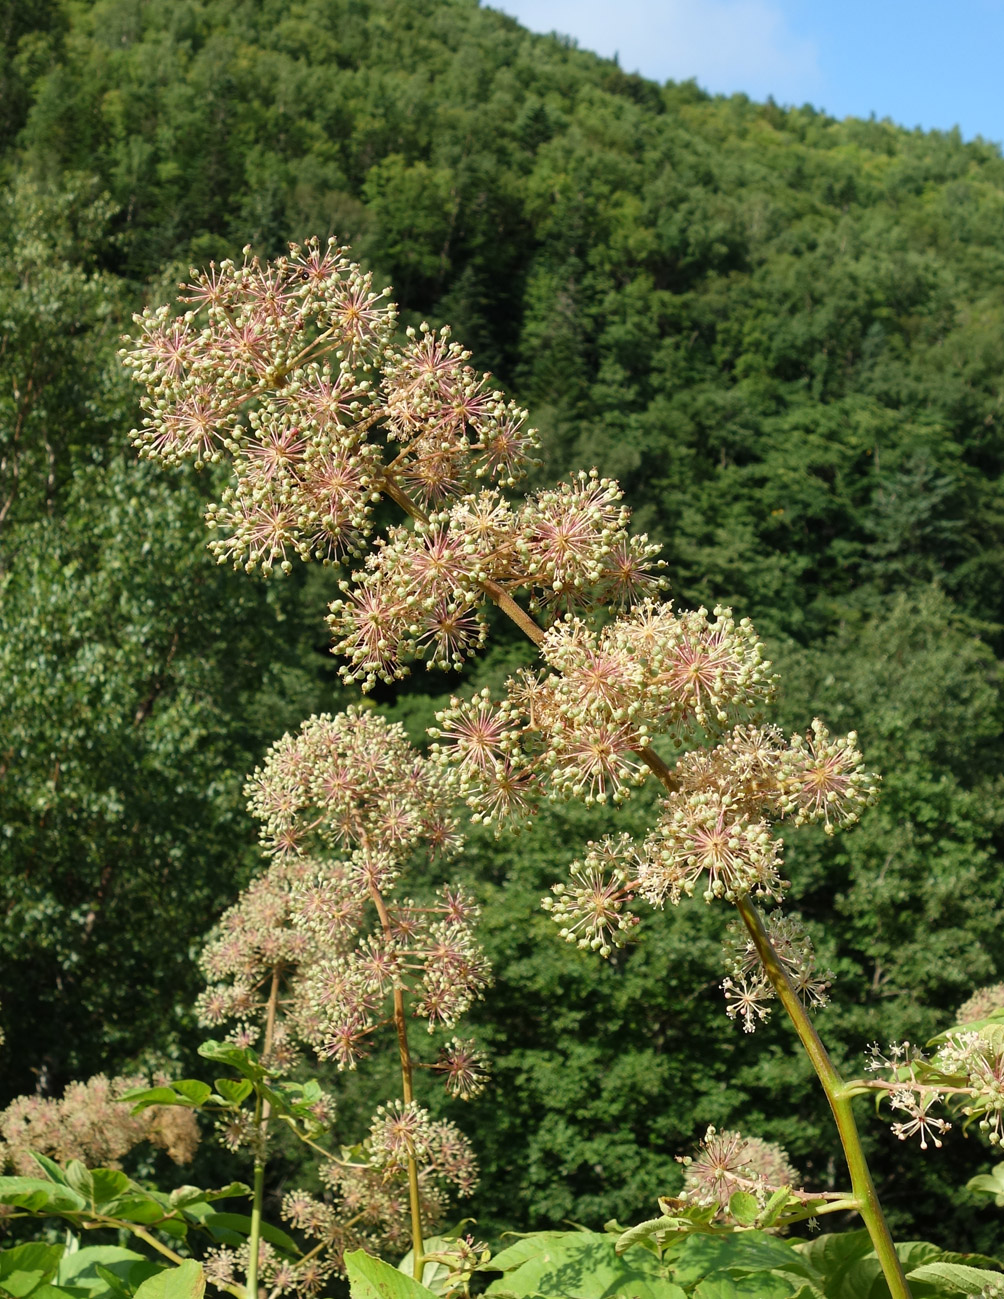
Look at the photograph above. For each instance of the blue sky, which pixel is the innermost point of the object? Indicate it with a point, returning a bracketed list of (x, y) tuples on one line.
[(935, 65)]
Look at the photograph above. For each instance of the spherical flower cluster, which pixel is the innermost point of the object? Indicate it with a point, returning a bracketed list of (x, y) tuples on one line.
[(748, 991), (590, 909), (89, 1123), (965, 1074), (714, 833), (351, 781), (579, 730), (985, 1003), (428, 952), (728, 1162), (823, 779)]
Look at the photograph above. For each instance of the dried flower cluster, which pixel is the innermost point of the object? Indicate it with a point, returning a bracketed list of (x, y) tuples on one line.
[(90, 1124)]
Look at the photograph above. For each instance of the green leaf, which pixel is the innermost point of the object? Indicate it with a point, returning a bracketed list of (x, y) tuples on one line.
[(584, 1264), (26, 1267), (434, 1274), (772, 1209), (645, 1232), (953, 1278), (745, 1208), (40, 1195), (92, 1267), (241, 1058), (525, 1248), (233, 1092), (189, 1092), (371, 1278), (756, 1285), (50, 1168), (186, 1281)]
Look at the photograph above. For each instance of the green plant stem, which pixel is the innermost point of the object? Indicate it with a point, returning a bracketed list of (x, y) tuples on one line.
[(863, 1188), (407, 1092), (260, 1126)]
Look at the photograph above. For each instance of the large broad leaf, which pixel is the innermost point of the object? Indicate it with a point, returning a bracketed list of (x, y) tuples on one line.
[(40, 1195), (525, 1248), (991, 1183), (586, 1265), (757, 1285), (738, 1254), (101, 1268), (26, 1267), (186, 1281), (371, 1278)]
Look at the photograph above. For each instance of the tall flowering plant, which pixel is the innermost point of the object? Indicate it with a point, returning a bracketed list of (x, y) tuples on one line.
[(295, 374)]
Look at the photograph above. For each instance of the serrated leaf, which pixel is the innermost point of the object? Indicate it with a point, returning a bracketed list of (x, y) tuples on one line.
[(241, 1058), (644, 1231), (40, 1195), (963, 1280)]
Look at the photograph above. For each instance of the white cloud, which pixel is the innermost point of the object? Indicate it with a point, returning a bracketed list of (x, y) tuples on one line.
[(727, 45)]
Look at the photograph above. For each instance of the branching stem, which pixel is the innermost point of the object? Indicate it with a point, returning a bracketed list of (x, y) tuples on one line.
[(407, 1092), (865, 1198), (260, 1124)]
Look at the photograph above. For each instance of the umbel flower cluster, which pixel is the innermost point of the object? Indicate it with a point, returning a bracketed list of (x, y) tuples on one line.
[(961, 1077), (294, 373), (316, 950)]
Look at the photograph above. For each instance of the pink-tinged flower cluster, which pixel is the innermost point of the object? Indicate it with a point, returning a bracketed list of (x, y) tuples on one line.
[(823, 779), (578, 730), (352, 783), (368, 1206), (422, 592), (728, 1162), (291, 371), (714, 834)]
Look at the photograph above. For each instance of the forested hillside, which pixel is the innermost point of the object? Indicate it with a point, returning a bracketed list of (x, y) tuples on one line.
[(784, 335)]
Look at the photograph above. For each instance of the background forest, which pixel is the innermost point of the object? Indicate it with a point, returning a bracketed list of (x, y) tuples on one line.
[(785, 336)]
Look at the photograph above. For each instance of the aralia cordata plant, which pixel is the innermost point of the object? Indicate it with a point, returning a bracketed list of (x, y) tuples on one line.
[(295, 374)]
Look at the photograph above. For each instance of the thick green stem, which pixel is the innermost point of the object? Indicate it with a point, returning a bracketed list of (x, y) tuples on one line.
[(863, 1188), (260, 1126)]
